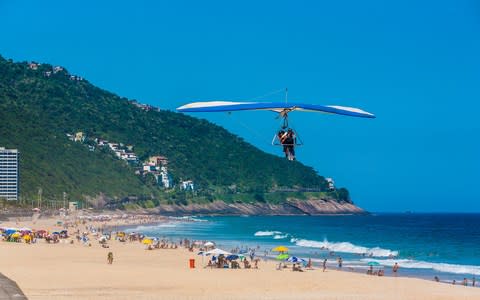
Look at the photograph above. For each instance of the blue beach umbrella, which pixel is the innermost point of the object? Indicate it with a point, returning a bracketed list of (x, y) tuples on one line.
[(373, 263), (232, 257), (294, 259)]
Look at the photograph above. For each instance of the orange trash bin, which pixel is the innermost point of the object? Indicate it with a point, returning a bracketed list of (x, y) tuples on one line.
[(192, 263)]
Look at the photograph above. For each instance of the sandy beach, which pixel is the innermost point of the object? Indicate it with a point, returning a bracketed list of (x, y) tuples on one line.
[(78, 271)]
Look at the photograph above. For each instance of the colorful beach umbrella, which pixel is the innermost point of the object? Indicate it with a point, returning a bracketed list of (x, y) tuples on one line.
[(280, 249), (282, 256), (373, 263), (294, 259), (147, 241)]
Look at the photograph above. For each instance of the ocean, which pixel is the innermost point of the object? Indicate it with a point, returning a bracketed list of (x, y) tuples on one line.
[(424, 245)]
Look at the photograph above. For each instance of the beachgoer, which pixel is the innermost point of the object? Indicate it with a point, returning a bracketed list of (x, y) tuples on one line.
[(454, 282), (473, 281), (309, 264), (324, 265), (465, 282), (395, 269), (370, 270), (436, 279), (340, 262), (110, 258)]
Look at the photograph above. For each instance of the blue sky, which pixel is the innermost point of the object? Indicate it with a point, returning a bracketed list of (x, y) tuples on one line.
[(415, 64)]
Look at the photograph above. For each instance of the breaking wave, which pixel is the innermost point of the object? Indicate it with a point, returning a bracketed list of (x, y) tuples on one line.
[(416, 264), (345, 247), (142, 228), (267, 233), (280, 236)]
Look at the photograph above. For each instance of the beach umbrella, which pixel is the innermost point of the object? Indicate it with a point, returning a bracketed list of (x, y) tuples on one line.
[(217, 252), (209, 244), (16, 235), (232, 257), (280, 249), (282, 256), (294, 259), (10, 231), (373, 263), (147, 241)]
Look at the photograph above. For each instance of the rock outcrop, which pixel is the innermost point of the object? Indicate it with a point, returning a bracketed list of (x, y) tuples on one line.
[(290, 207)]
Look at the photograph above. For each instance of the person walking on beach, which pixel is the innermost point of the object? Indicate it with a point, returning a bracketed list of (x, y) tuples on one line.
[(324, 265), (110, 258), (340, 262), (395, 269)]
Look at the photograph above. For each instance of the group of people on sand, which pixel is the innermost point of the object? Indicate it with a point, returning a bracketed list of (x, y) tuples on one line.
[(222, 262)]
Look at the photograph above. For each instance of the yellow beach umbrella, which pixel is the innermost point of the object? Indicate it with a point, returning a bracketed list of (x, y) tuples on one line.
[(280, 249), (147, 241), (16, 235)]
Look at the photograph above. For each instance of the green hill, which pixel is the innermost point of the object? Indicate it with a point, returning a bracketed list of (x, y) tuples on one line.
[(38, 107)]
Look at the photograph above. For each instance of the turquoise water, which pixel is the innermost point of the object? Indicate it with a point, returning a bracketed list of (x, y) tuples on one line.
[(425, 245)]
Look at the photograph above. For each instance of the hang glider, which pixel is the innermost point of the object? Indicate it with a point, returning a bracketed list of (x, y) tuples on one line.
[(279, 107), (286, 136)]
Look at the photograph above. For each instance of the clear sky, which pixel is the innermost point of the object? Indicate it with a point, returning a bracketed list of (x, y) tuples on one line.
[(415, 64)]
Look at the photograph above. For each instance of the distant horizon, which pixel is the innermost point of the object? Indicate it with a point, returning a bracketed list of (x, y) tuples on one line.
[(414, 65)]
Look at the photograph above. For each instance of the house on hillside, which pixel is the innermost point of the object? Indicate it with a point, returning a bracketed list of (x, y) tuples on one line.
[(33, 65), (331, 184), (57, 69), (158, 160), (80, 137), (187, 185), (166, 179)]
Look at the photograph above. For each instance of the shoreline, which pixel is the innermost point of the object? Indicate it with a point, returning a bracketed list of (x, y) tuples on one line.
[(406, 273), (70, 271)]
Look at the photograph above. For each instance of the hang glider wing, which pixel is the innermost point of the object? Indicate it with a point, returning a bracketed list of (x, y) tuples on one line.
[(225, 106)]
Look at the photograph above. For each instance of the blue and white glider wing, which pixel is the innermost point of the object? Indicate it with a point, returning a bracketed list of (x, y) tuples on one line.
[(223, 106)]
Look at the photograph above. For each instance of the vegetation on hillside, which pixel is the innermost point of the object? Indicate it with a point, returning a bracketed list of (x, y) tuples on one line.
[(36, 112)]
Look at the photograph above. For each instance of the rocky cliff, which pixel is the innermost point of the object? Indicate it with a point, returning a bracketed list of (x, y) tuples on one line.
[(290, 207)]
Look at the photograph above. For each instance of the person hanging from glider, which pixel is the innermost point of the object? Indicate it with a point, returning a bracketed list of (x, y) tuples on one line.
[(282, 136), (286, 136), (290, 142)]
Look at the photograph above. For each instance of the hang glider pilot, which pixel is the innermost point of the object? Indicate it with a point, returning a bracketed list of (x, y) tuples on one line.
[(288, 141)]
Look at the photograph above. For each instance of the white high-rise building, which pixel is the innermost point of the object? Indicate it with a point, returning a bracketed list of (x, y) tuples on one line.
[(9, 174)]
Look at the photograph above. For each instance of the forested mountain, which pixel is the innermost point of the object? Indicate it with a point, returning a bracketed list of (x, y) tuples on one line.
[(40, 104)]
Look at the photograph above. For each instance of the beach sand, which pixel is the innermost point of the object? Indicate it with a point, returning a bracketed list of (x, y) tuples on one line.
[(75, 271)]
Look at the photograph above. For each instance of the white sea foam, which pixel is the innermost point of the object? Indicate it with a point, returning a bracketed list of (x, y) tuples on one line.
[(418, 264), (142, 228), (267, 233), (345, 247), (280, 236)]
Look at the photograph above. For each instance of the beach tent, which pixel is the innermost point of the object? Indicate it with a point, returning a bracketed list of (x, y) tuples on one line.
[(217, 252)]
